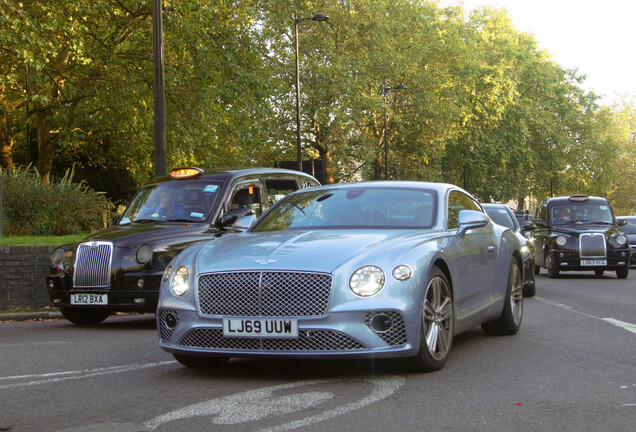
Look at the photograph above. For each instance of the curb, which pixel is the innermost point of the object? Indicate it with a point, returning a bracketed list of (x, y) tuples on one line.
[(29, 316)]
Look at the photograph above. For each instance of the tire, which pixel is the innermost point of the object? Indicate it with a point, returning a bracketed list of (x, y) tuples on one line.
[(531, 289), (84, 316), (622, 273), (437, 325), (201, 362), (509, 322), (537, 269), (599, 273), (553, 272)]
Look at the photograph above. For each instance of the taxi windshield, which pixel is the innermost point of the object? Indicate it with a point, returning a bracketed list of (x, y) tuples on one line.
[(175, 201), (581, 213)]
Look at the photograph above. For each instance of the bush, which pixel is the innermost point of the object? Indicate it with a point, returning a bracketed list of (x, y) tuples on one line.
[(29, 207)]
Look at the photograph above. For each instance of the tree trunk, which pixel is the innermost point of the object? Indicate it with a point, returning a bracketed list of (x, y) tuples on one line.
[(46, 144), (6, 144), (327, 168)]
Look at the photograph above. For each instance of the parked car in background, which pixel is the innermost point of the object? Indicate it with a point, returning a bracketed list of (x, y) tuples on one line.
[(361, 270), (119, 269), (629, 229), (579, 232), (503, 215), (525, 221)]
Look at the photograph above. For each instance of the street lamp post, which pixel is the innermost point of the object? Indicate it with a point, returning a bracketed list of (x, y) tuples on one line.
[(386, 90), (161, 157), (316, 17)]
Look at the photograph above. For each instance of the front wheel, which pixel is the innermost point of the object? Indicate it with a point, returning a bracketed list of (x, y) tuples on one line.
[(622, 273), (437, 325), (509, 322), (84, 316)]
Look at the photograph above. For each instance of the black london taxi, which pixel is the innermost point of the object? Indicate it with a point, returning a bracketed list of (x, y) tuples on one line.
[(119, 268), (579, 232)]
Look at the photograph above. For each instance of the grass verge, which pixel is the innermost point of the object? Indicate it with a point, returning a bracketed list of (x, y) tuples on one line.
[(41, 240)]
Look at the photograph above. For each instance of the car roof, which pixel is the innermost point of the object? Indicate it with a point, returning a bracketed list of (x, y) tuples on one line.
[(225, 174), (566, 200)]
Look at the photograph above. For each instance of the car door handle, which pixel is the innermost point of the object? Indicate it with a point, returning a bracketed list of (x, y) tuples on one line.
[(491, 248)]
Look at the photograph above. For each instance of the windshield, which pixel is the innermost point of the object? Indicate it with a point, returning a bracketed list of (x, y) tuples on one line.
[(500, 216), (581, 213), (630, 227), (352, 207), (175, 201)]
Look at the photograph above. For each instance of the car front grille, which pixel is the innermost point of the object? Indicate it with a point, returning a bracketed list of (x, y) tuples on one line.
[(592, 245), (92, 265), (308, 341), (264, 293)]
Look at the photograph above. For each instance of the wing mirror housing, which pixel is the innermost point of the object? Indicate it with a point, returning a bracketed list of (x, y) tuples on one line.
[(540, 223), (244, 223), (471, 219), (622, 222), (232, 216)]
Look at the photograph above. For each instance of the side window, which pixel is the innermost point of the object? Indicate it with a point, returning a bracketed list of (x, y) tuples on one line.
[(278, 188), (458, 201), (542, 212), (246, 196)]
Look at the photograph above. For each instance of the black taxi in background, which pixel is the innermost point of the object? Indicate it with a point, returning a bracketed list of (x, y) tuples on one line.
[(579, 232), (119, 268)]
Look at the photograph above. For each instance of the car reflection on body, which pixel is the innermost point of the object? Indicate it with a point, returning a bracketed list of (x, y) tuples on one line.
[(503, 215), (629, 229), (361, 270)]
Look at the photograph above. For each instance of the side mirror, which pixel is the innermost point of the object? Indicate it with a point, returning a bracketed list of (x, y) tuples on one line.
[(540, 223), (230, 217), (622, 222), (471, 219), (244, 223), (115, 220)]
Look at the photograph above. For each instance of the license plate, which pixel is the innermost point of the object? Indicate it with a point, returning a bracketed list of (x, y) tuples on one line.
[(593, 262), (89, 299), (259, 327)]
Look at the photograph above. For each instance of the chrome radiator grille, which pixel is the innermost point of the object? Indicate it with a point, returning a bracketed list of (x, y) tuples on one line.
[(592, 245), (92, 265), (264, 293)]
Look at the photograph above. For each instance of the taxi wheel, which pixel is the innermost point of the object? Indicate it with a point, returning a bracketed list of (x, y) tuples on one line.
[(622, 273), (437, 326), (510, 320), (200, 362), (553, 272), (84, 316)]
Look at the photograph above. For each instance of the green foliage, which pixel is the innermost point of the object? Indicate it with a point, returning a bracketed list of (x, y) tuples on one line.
[(62, 207)]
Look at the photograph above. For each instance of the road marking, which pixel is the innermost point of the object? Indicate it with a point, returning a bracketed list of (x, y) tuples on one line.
[(627, 326), (47, 378)]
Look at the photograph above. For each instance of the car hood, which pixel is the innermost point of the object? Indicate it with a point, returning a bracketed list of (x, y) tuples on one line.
[(576, 230), (321, 251), (135, 234)]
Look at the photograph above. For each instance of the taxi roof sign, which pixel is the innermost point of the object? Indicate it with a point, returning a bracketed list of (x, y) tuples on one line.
[(185, 173), (579, 198)]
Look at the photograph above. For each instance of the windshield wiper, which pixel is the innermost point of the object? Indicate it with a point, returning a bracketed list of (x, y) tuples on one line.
[(144, 220), (178, 220)]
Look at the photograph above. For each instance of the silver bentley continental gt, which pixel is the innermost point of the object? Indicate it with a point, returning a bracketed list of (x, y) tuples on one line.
[(360, 270)]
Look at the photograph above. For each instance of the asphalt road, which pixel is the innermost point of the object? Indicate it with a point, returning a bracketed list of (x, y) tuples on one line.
[(572, 367)]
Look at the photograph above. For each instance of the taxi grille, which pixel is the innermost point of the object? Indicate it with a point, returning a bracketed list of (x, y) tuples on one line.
[(592, 245), (308, 340), (264, 293), (92, 265)]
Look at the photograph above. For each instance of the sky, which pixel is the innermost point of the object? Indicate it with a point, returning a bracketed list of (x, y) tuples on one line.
[(597, 37)]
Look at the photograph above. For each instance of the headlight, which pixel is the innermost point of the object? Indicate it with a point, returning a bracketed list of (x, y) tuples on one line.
[(525, 251), (57, 257), (561, 240), (621, 239), (144, 253), (367, 281), (402, 272), (166, 273), (180, 282)]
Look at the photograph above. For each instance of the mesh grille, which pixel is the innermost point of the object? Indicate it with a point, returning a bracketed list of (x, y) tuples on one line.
[(308, 340), (592, 245), (396, 335), (166, 332), (264, 294), (92, 265)]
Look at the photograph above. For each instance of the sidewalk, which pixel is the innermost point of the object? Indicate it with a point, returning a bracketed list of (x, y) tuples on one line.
[(30, 315)]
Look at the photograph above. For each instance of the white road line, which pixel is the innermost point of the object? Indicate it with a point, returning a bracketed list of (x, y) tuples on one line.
[(627, 326), (47, 378)]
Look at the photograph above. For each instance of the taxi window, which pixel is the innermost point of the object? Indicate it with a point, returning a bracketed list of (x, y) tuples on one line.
[(247, 196), (279, 188)]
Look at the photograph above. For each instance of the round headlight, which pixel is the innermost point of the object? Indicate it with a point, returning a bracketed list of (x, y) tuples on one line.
[(180, 281), (166, 273), (57, 257), (144, 253), (561, 240), (621, 239), (367, 281), (525, 251), (402, 272)]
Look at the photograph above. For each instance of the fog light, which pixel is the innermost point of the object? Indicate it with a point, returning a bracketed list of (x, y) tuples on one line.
[(171, 321), (140, 283), (622, 254), (139, 300), (561, 255), (381, 323), (621, 263), (57, 300), (51, 284)]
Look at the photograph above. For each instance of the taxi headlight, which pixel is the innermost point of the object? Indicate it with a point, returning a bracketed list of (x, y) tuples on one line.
[(621, 239), (367, 281), (525, 251), (144, 253), (180, 282), (57, 257), (561, 240)]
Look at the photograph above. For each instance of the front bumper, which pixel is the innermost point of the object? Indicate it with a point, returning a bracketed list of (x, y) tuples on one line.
[(337, 335), (567, 260)]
